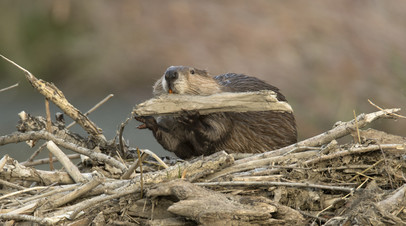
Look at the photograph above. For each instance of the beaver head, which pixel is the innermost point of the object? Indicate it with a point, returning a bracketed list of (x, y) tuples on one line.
[(186, 80)]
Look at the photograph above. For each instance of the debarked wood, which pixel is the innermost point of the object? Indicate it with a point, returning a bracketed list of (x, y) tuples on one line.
[(264, 100)]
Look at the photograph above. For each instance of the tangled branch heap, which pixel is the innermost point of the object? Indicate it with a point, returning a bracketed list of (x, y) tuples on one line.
[(316, 180)]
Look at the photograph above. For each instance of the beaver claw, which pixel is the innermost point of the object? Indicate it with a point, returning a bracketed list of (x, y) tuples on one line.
[(149, 122)]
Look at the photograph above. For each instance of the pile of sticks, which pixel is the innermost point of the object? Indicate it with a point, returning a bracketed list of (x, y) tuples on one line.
[(328, 178)]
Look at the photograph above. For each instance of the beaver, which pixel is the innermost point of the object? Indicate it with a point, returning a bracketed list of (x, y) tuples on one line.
[(191, 134)]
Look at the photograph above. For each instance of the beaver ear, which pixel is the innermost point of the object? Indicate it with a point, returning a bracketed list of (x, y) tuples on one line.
[(201, 72)]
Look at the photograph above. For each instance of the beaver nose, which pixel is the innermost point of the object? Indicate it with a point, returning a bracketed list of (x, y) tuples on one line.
[(171, 75)]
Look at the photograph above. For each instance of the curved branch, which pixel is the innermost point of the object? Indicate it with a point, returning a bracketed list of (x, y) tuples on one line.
[(52, 93), (36, 135)]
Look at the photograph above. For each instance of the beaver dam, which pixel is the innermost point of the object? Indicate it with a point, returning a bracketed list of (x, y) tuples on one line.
[(317, 181)]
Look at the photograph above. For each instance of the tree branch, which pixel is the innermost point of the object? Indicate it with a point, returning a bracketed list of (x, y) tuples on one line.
[(52, 93), (35, 135), (170, 104)]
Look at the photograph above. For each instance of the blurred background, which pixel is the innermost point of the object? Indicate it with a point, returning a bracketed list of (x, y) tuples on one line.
[(327, 57)]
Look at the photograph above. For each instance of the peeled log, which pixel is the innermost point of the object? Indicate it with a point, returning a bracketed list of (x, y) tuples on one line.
[(208, 207), (170, 104)]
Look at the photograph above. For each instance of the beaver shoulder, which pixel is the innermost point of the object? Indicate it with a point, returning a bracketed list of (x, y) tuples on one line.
[(232, 82)]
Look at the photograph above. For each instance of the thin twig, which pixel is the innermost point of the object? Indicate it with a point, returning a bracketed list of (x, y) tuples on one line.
[(362, 172), (7, 88), (49, 129), (397, 115), (356, 150), (342, 198), (274, 183), (366, 176), (120, 135), (93, 108), (36, 152), (35, 135), (77, 193), (134, 166), (46, 160), (356, 127), (321, 219), (11, 185), (121, 159), (53, 191), (99, 200), (141, 176), (50, 91), (22, 191), (156, 157), (326, 137), (342, 168), (257, 178), (256, 163)]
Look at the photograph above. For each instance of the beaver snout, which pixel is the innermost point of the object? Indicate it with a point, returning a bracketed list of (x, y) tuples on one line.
[(171, 75)]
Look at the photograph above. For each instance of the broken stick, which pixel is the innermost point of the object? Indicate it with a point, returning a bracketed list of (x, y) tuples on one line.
[(69, 166), (52, 93), (170, 104)]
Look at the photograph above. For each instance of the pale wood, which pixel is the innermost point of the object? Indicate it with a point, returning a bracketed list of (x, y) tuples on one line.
[(26, 209), (257, 178), (46, 160), (195, 169), (3, 162), (61, 189), (9, 87), (84, 189), (340, 129), (396, 199), (22, 191), (22, 217), (14, 170), (11, 185), (276, 183), (356, 150), (264, 100), (257, 163), (52, 93), (77, 209), (214, 208), (35, 135), (70, 168), (156, 157)]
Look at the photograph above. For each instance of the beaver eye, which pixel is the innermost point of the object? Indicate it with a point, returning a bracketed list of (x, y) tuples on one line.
[(192, 72)]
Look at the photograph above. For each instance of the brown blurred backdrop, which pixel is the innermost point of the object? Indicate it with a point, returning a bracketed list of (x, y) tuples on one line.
[(327, 57)]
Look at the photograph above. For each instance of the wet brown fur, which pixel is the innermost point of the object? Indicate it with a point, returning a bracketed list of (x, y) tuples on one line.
[(192, 134)]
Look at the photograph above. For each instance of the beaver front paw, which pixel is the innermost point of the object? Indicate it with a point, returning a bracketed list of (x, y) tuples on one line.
[(149, 122)]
